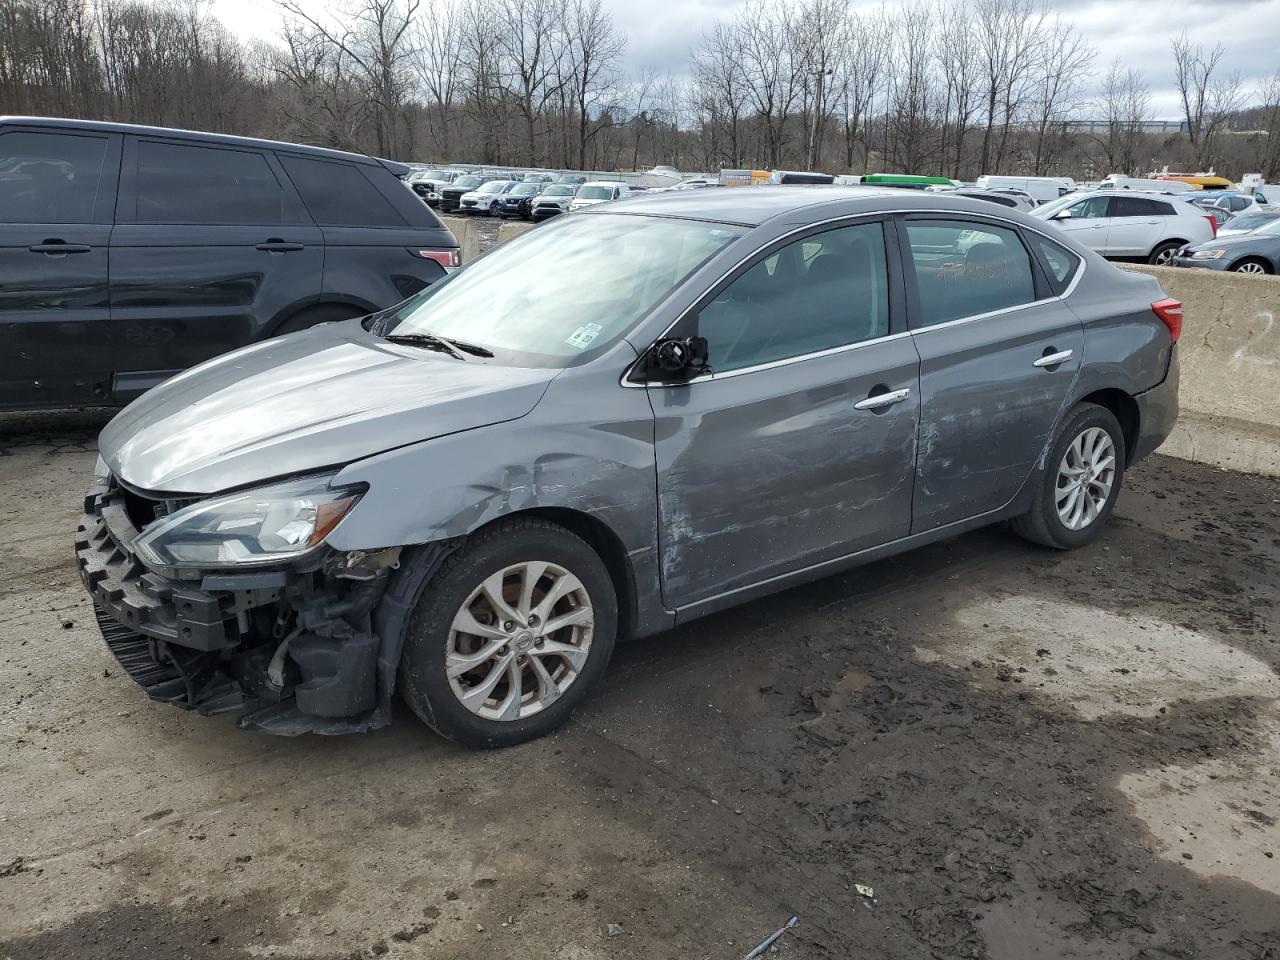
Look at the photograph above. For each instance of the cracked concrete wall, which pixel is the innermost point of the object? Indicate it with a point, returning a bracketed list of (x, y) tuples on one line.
[(1230, 363)]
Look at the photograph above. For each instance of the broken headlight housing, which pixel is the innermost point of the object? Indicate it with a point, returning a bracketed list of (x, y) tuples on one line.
[(267, 525)]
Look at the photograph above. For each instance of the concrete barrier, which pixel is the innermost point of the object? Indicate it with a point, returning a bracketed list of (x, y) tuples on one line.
[(1229, 396), (468, 238), (509, 230)]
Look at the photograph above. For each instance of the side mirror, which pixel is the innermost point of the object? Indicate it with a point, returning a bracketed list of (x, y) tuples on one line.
[(677, 359), (1062, 215)]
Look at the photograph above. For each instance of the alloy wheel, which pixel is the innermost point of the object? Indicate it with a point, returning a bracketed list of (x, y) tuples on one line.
[(1165, 257), (1085, 478), (1251, 267), (519, 641)]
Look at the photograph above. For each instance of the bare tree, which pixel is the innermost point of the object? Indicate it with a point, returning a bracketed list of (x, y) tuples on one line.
[(721, 91), (957, 57), (437, 60), (1126, 102), (530, 32), (1061, 71), (1209, 98), (861, 76), (374, 36), (594, 48)]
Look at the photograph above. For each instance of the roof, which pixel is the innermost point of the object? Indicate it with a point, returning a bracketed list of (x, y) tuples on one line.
[(224, 139), (751, 206)]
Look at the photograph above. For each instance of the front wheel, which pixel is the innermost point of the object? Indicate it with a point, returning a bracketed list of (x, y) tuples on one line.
[(509, 635), (1081, 481), (1162, 256), (493, 209), (1250, 266)]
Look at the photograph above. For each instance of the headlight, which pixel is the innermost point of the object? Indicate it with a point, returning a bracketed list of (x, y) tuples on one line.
[(1207, 254), (260, 526)]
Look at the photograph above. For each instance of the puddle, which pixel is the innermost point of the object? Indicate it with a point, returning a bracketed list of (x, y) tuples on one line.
[(1217, 818), (1095, 662)]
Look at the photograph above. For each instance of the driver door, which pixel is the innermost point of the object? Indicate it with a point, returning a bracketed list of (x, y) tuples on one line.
[(799, 447), (1088, 223)]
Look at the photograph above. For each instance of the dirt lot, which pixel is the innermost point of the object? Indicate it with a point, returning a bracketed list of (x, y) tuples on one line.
[(1023, 754)]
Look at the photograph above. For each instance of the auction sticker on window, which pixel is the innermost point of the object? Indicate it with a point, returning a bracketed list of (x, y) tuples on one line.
[(581, 338)]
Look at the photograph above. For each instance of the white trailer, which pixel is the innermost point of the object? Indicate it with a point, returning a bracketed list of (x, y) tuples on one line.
[(1043, 189)]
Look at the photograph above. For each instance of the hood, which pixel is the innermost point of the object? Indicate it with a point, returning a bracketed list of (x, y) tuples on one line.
[(1229, 241), (323, 397)]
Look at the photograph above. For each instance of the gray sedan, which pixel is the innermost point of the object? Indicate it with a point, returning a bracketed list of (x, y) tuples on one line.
[(614, 424), (1257, 251)]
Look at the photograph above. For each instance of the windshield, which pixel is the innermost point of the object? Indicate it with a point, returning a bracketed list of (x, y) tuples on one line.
[(526, 189), (1272, 225), (519, 303), (558, 190), (467, 183), (493, 186), (595, 193)]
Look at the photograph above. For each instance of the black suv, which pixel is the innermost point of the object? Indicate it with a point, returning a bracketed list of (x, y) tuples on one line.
[(129, 253)]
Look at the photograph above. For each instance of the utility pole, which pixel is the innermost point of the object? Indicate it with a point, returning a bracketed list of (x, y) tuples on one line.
[(817, 112)]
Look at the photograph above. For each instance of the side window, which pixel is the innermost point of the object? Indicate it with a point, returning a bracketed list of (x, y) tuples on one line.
[(49, 177), (1162, 209), (1090, 209), (339, 194), (1238, 203), (827, 290), (184, 183), (1062, 263), (965, 269), (1133, 207)]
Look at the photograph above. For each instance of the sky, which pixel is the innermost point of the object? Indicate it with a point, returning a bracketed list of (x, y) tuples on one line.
[(660, 35)]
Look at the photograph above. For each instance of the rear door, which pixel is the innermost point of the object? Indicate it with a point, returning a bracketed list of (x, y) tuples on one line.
[(1137, 225), (211, 248), (800, 446), (999, 353), (382, 245), (57, 194)]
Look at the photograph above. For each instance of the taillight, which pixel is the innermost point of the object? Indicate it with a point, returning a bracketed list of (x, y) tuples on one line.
[(446, 258), (1170, 313), (1213, 222)]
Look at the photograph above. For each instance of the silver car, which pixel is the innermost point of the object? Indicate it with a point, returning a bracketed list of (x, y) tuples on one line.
[(614, 424), (1130, 224)]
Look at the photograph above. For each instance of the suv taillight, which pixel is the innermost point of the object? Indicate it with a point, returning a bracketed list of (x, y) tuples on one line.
[(1213, 222), (1170, 313), (446, 258)]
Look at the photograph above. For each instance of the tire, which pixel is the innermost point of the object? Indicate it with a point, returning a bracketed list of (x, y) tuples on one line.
[(1251, 265), (493, 208), (1043, 523), (457, 592), (310, 316), (1162, 255)]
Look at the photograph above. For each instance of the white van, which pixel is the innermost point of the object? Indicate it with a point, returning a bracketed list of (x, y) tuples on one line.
[(1119, 182), (1043, 189)]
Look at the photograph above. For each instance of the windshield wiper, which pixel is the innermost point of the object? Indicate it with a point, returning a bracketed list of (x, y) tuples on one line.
[(428, 340)]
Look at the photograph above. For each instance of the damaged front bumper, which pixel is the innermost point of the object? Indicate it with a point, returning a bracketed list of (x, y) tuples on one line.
[(293, 649)]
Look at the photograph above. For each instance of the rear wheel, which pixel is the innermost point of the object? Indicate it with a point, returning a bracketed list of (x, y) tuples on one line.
[(509, 635), (1254, 266), (1162, 255), (1081, 481)]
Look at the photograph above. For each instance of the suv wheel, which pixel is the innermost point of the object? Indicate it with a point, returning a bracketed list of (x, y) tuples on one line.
[(509, 635), (1081, 482), (1250, 266), (493, 208), (1162, 255)]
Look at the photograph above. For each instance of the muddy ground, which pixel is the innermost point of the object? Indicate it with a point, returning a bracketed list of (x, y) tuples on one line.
[(1022, 754)]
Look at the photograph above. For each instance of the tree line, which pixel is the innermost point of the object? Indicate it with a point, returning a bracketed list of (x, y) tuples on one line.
[(931, 86)]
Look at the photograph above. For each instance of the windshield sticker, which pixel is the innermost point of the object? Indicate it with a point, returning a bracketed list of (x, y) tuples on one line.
[(581, 338)]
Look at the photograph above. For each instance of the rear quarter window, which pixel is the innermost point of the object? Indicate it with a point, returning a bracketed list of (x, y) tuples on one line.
[(1059, 262), (339, 194)]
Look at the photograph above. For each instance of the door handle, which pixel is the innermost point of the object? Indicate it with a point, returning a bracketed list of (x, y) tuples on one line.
[(1053, 359), (56, 248), (878, 400), (279, 246)]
